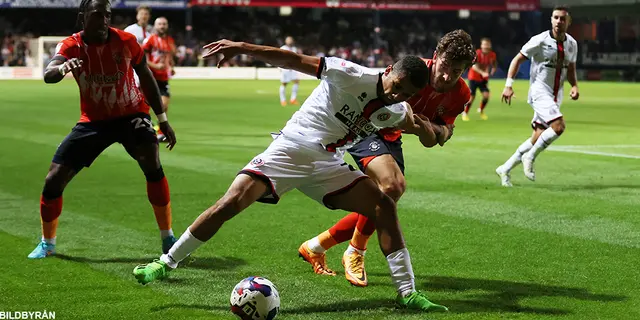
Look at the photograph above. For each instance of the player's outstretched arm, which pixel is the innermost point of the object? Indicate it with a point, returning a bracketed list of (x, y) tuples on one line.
[(507, 93), (152, 94), (59, 67), (271, 55)]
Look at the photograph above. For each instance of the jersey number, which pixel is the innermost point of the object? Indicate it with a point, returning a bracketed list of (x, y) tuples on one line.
[(141, 123)]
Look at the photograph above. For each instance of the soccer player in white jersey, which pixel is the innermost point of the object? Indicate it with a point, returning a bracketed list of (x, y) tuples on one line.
[(350, 103), (141, 29), (553, 56), (288, 75)]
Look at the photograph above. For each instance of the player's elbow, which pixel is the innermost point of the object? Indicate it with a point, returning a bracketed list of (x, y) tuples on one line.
[(49, 79)]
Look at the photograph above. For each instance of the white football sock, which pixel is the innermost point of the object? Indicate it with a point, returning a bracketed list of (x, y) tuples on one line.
[(166, 233), (181, 249), (546, 139), (283, 93), (402, 272), (314, 245), (351, 249), (516, 158), (49, 241), (294, 92)]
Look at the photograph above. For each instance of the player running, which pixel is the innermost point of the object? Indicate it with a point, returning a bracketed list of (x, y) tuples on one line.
[(479, 77), (141, 29), (102, 60), (553, 56), (288, 75), (160, 49), (380, 156), (351, 102)]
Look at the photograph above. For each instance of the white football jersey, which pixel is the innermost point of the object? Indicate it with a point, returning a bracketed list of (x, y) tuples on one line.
[(549, 60), (344, 108), (289, 48), (140, 32)]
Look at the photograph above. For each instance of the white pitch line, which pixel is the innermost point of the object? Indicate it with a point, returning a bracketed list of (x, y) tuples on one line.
[(596, 153), (602, 146)]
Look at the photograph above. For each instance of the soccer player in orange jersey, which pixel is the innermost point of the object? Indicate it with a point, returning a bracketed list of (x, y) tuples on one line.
[(160, 49), (102, 60), (380, 155), (485, 66)]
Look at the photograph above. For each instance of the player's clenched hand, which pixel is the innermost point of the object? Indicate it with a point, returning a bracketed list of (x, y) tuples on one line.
[(507, 93), (423, 129), (71, 64), (575, 94), (168, 132), (227, 48)]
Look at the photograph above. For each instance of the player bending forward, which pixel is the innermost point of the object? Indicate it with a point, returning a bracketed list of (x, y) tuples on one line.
[(553, 57), (102, 60), (380, 156), (351, 102)]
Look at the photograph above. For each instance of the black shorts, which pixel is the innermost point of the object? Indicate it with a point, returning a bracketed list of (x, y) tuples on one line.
[(375, 145), (88, 139), (164, 88), (482, 85)]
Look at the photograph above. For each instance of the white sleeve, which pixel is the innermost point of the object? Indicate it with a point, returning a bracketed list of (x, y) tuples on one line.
[(130, 29), (573, 57), (531, 48), (339, 72), (389, 116)]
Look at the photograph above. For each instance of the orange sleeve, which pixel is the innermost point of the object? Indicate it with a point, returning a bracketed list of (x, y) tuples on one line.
[(464, 95), (67, 48), (136, 51)]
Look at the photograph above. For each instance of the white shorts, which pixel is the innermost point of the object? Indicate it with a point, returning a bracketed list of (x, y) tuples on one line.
[(545, 110), (288, 164), (287, 76)]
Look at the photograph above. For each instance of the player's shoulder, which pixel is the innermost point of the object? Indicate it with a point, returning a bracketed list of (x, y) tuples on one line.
[(71, 40), (542, 36), (347, 66), (463, 91), (571, 39), (130, 28), (124, 35)]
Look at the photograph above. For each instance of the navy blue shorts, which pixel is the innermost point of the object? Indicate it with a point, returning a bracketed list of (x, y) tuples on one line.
[(87, 140), (475, 85), (373, 146)]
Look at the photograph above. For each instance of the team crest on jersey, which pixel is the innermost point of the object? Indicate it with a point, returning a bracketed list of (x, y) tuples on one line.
[(440, 110), (384, 116), (257, 162), (374, 146)]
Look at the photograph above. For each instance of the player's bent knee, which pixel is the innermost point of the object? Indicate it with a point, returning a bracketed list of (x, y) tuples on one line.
[(154, 175), (56, 180), (386, 206), (394, 189), (559, 126)]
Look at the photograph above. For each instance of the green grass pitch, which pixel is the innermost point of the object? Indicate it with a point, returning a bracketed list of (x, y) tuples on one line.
[(564, 247)]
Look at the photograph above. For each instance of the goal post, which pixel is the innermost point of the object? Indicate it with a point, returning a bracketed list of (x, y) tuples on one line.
[(46, 47)]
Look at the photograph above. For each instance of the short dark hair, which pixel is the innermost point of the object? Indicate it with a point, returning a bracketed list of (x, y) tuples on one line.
[(561, 8), (457, 46), (143, 7), (414, 68), (82, 9)]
